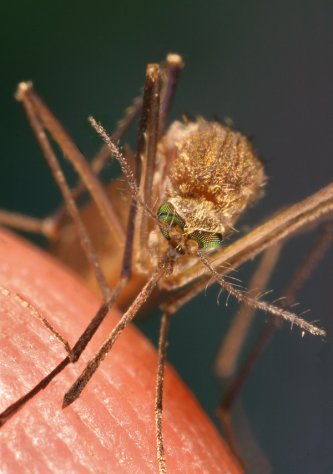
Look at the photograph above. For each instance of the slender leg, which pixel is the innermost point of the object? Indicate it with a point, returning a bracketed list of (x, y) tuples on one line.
[(170, 307), (23, 301), (148, 135), (31, 100), (141, 180), (145, 148), (301, 275), (152, 92), (74, 355), (98, 162), (170, 75), (152, 97), (74, 392), (14, 220), (70, 203), (146, 151), (162, 345)]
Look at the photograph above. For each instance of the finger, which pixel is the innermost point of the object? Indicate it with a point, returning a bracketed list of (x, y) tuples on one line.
[(110, 428)]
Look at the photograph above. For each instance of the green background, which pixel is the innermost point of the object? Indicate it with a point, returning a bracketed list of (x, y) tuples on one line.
[(268, 66)]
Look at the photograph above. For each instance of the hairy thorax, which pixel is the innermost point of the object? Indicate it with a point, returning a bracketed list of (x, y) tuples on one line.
[(213, 174)]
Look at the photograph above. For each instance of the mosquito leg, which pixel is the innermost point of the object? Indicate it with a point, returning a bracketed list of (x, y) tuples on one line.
[(84, 238), (144, 164), (70, 203), (98, 162), (16, 406), (230, 349), (145, 155), (125, 275), (320, 247), (75, 354), (74, 392), (146, 147), (45, 227), (170, 75), (162, 345), (301, 275), (152, 99), (33, 105), (170, 307), (134, 212), (33, 102), (22, 301)]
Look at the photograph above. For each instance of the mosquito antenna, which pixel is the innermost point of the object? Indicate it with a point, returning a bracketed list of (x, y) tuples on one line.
[(262, 305), (128, 173)]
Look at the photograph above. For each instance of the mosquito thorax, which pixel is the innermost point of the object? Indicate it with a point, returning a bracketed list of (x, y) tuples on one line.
[(213, 175), (174, 229)]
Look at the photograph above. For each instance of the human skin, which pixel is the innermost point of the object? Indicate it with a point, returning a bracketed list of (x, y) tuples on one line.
[(110, 428)]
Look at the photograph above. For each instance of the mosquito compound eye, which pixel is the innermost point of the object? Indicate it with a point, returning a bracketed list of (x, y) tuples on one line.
[(206, 240), (168, 218)]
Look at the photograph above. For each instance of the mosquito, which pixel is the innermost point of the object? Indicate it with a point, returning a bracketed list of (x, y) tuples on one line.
[(169, 217)]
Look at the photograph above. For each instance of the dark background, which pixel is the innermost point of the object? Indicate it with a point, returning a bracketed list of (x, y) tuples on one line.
[(268, 66)]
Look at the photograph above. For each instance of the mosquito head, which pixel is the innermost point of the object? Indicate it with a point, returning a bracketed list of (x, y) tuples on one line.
[(174, 229)]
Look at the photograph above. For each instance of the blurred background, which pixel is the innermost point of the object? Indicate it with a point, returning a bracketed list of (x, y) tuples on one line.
[(268, 66)]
